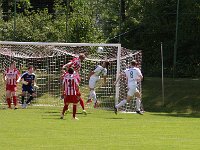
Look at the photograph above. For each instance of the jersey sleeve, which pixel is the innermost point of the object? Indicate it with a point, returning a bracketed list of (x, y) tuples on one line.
[(125, 72), (139, 72), (34, 77), (23, 75), (97, 69)]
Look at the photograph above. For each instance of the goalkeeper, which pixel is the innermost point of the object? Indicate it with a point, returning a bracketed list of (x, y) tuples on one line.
[(28, 82)]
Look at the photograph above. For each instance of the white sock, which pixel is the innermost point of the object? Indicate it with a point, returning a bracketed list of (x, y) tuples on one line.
[(91, 95), (94, 96), (138, 102), (123, 102)]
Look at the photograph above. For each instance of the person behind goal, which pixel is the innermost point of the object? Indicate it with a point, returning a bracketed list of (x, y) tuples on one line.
[(133, 75), (94, 76), (70, 92), (75, 63), (10, 77)]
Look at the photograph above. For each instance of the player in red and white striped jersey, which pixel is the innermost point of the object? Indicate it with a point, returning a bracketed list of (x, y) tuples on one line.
[(75, 63), (11, 76), (70, 91)]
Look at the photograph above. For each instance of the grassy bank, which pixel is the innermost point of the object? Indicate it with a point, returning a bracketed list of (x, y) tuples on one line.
[(181, 95)]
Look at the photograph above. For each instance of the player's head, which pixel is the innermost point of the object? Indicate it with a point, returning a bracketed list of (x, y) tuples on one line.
[(82, 56), (13, 64), (134, 63), (70, 70), (106, 64), (30, 69)]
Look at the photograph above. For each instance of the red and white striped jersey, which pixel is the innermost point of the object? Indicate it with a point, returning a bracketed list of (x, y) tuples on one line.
[(70, 84), (76, 75), (11, 76), (75, 64)]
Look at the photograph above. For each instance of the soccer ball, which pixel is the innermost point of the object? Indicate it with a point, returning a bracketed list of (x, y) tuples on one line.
[(100, 50)]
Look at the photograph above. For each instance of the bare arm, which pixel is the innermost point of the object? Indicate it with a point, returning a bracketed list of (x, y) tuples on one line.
[(66, 65), (141, 77), (24, 82), (19, 79), (35, 82)]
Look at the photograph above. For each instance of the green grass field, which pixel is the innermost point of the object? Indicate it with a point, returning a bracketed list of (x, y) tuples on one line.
[(36, 129), (174, 126)]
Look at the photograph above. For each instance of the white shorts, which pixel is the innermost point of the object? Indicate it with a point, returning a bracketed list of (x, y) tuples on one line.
[(132, 90), (92, 82)]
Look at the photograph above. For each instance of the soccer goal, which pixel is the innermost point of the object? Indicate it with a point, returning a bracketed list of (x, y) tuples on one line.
[(48, 59)]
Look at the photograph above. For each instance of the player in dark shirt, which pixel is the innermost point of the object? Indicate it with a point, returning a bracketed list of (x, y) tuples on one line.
[(28, 82)]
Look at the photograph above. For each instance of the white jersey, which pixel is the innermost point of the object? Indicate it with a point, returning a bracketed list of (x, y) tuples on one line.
[(99, 71), (133, 74)]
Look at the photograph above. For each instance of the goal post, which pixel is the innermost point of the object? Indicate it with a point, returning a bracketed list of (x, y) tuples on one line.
[(48, 59)]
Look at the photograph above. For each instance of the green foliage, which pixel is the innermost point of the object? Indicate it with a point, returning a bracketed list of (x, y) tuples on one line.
[(142, 25), (41, 26)]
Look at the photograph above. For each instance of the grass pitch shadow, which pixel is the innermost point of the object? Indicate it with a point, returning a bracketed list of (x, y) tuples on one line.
[(182, 115)]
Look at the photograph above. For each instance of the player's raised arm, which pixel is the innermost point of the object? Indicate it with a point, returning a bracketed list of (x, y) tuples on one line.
[(66, 66)]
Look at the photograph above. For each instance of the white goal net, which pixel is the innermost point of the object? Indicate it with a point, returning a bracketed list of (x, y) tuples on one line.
[(48, 59)]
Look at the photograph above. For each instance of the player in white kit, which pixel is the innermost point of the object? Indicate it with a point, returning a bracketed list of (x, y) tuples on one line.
[(133, 75), (94, 76)]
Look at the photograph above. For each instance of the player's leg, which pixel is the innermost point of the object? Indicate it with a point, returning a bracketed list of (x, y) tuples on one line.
[(130, 93), (74, 100), (15, 100), (92, 94), (23, 98), (82, 105), (13, 93), (138, 102), (92, 85), (8, 98), (81, 102), (65, 107), (122, 103), (32, 94), (74, 111)]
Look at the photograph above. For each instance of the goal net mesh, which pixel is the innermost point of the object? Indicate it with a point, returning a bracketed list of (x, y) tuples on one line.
[(48, 59)]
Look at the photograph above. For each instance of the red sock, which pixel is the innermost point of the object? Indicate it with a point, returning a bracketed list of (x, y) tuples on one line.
[(64, 109), (15, 100), (9, 102), (82, 103), (74, 111)]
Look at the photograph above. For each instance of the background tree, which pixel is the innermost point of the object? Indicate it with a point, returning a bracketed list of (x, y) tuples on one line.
[(140, 24)]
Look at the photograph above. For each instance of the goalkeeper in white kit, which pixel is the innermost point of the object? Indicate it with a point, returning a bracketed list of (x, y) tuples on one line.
[(133, 75), (94, 77)]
